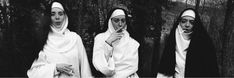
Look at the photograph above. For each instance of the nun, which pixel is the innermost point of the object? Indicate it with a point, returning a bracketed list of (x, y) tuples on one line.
[(63, 55), (115, 52), (189, 51)]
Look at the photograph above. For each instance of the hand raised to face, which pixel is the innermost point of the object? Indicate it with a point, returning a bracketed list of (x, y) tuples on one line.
[(116, 35)]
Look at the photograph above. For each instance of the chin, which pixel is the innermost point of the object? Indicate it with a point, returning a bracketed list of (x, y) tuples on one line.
[(56, 27)]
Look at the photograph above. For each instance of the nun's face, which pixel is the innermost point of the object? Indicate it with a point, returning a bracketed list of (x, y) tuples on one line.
[(57, 17), (187, 24), (118, 21)]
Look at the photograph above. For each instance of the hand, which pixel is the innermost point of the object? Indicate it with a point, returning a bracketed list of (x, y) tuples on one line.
[(116, 35), (64, 68)]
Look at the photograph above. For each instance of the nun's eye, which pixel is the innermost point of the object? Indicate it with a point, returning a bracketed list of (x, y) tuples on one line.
[(186, 20), (116, 20), (183, 21), (61, 13), (52, 13), (192, 22)]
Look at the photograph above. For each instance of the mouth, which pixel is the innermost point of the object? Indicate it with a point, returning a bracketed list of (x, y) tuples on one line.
[(187, 30), (57, 23)]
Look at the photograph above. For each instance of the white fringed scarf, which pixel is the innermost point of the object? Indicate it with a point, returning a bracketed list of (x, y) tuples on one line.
[(60, 40), (121, 44), (122, 50), (181, 46)]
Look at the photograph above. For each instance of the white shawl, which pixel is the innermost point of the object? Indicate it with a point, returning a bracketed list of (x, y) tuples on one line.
[(65, 47), (181, 46), (124, 61)]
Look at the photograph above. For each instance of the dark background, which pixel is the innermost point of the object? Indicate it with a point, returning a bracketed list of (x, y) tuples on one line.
[(21, 28)]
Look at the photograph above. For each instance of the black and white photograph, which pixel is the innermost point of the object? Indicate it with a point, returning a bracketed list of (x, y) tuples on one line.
[(116, 38)]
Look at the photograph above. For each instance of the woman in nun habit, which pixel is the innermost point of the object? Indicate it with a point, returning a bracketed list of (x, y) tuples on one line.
[(189, 51), (115, 52), (63, 54)]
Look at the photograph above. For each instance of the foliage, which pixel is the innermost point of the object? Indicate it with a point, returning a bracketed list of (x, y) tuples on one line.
[(21, 23)]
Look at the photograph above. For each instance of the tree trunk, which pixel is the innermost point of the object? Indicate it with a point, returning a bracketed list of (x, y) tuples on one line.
[(147, 14), (197, 4), (227, 32), (203, 7)]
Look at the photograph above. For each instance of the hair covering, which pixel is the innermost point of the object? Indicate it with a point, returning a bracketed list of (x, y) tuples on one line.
[(117, 12), (62, 47), (64, 23), (200, 48), (181, 45), (190, 13), (57, 5), (124, 60), (54, 41), (111, 29)]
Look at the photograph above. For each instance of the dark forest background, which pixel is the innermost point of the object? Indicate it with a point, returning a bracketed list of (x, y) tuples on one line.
[(21, 28)]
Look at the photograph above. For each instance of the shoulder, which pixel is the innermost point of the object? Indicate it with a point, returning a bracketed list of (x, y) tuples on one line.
[(74, 34), (134, 42), (101, 36)]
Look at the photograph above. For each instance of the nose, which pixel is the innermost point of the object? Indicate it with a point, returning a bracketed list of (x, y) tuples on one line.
[(187, 24), (56, 17), (120, 23)]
